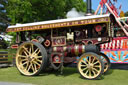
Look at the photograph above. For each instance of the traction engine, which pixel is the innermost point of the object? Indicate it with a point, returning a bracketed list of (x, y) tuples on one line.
[(56, 44)]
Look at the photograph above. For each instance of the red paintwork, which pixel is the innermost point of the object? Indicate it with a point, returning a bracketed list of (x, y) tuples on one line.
[(58, 41), (73, 49), (56, 59), (14, 46), (80, 49), (47, 43), (98, 28)]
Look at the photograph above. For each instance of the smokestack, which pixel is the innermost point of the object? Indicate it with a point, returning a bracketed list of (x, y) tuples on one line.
[(89, 6)]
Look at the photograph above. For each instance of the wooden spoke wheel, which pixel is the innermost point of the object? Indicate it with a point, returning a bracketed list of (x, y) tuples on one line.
[(90, 66), (31, 58), (106, 62)]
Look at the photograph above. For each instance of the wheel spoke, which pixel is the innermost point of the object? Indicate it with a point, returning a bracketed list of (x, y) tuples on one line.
[(96, 62), (29, 67), (83, 65), (85, 69), (84, 62), (36, 52), (86, 59), (89, 72), (22, 60), (36, 63), (33, 68), (95, 70), (32, 48), (25, 53), (38, 56), (26, 49), (97, 66), (39, 60), (93, 60), (24, 63), (86, 72), (89, 59)]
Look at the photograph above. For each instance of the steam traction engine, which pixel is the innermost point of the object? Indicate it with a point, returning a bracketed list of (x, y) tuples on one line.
[(58, 43)]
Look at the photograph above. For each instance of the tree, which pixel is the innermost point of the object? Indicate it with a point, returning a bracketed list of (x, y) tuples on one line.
[(19, 11), (3, 15), (24, 11), (126, 13)]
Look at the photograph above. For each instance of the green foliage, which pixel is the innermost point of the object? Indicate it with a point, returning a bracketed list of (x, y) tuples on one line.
[(3, 15), (20, 11), (24, 11), (126, 13), (14, 37)]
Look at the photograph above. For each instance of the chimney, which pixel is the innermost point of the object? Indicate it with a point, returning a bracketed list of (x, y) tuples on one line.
[(89, 7)]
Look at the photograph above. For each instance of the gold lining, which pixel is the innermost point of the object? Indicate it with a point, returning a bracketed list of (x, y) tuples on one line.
[(62, 24)]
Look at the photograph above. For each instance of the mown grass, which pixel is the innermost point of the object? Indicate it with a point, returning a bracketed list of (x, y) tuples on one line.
[(69, 77)]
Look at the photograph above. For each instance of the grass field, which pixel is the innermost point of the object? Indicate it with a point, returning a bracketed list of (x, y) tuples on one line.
[(70, 77)]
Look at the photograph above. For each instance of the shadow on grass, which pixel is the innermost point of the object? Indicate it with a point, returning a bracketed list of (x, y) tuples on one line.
[(70, 71), (66, 72), (73, 70), (110, 71)]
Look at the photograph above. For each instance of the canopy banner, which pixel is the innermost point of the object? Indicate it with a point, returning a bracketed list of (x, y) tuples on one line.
[(60, 24)]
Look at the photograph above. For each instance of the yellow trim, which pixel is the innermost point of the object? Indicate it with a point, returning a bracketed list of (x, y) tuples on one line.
[(62, 24)]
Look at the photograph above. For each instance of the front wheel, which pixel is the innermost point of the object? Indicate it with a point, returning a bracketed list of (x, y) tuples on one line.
[(90, 66), (31, 58)]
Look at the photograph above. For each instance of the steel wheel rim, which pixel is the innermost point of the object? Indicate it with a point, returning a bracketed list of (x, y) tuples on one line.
[(28, 59), (89, 66)]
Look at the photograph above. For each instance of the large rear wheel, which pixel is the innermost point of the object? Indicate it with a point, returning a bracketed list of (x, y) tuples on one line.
[(90, 66), (31, 58)]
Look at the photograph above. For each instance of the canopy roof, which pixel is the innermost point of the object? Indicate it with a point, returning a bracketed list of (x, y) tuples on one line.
[(60, 23)]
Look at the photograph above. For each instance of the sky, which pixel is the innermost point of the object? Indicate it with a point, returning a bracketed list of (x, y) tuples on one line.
[(124, 3)]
